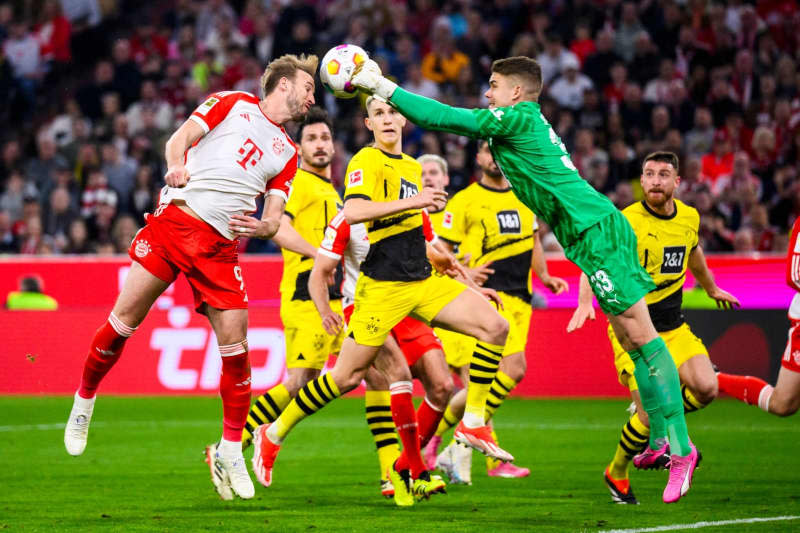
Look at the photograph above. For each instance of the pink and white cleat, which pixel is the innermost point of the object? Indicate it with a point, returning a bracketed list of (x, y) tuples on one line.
[(680, 475), (651, 459), (481, 439), (509, 470), (264, 454), (431, 451)]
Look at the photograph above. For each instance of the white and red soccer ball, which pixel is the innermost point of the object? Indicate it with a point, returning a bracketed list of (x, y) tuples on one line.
[(337, 67)]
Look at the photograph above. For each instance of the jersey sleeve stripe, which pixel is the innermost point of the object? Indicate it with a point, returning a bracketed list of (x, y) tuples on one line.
[(279, 193), (362, 196), (199, 120), (328, 253)]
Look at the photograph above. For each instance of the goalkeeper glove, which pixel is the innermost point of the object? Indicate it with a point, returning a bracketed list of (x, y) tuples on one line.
[(367, 76)]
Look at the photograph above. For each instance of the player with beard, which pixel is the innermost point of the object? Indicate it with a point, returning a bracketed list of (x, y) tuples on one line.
[(666, 231), (231, 150)]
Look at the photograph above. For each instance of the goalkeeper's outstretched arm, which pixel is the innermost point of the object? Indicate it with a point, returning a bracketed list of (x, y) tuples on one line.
[(430, 114)]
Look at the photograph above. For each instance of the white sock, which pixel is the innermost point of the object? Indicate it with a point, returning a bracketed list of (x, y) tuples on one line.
[(764, 397), (272, 434), (228, 448), (472, 420), (84, 403)]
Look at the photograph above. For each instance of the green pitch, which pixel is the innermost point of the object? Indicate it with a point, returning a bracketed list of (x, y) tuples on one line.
[(143, 471)]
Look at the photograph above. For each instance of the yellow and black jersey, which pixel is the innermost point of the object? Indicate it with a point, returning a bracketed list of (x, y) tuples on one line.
[(493, 225), (312, 204), (664, 244), (437, 218), (396, 242)]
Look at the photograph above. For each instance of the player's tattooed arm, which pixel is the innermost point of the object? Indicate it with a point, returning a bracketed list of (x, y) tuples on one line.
[(585, 309), (180, 141), (703, 275)]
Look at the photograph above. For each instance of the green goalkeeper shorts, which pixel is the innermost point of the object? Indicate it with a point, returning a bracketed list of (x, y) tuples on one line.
[(606, 252)]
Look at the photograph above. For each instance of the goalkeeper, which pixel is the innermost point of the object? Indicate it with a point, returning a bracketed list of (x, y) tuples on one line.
[(594, 234)]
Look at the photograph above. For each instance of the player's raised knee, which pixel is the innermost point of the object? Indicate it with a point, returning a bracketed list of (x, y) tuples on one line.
[(494, 329), (706, 390), (440, 392)]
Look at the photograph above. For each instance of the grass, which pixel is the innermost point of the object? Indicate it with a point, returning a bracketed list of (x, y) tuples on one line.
[(143, 471)]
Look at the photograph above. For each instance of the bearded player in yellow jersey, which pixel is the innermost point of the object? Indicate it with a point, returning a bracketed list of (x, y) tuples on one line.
[(384, 190), (666, 233), (498, 236)]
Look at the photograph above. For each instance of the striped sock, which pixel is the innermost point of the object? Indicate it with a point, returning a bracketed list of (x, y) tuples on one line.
[(632, 441), (448, 420), (501, 386), (314, 395), (482, 370), (690, 402), (265, 410), (381, 425)]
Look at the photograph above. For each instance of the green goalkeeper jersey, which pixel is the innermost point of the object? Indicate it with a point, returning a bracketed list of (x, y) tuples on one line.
[(528, 152)]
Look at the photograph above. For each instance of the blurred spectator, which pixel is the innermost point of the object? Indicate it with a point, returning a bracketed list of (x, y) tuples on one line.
[(60, 214), (663, 88), (730, 185), (120, 173), (11, 199), (700, 138), (123, 232), (568, 89), (614, 91), (627, 32), (764, 235), (23, 53), (743, 241), (554, 58), (582, 46), (444, 62), (150, 100), (720, 160), (127, 77), (598, 65), (41, 169), (417, 83), (78, 238), (90, 95), (8, 241), (53, 33), (30, 297)]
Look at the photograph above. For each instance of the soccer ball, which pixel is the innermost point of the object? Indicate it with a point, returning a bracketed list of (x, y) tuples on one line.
[(337, 66)]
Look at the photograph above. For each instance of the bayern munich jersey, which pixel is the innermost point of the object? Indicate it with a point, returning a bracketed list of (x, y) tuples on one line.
[(350, 243), (793, 269), (242, 155)]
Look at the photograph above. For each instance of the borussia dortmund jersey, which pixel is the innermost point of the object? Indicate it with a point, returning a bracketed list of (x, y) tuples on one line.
[(312, 204), (664, 245), (530, 154), (396, 242), (493, 225)]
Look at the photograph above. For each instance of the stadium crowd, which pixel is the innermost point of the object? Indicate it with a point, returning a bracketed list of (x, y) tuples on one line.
[(92, 89)]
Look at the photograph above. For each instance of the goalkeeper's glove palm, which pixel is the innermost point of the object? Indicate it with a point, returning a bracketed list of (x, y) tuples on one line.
[(368, 77)]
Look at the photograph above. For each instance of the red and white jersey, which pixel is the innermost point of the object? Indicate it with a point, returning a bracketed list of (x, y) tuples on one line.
[(793, 269), (242, 156), (350, 243)]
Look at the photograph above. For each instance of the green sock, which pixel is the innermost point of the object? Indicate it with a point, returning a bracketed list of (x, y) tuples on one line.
[(658, 428), (667, 385)]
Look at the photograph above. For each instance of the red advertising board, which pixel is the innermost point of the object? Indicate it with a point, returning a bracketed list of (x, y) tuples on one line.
[(174, 351)]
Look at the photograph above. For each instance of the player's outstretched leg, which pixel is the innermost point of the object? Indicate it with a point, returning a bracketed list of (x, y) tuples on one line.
[(104, 352), (265, 410), (633, 439), (748, 389)]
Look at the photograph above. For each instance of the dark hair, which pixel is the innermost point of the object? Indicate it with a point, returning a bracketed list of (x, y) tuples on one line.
[(662, 157), (315, 115), (525, 68), (30, 284)]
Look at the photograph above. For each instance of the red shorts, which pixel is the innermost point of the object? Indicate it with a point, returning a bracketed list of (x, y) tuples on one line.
[(415, 338), (791, 356), (173, 241)]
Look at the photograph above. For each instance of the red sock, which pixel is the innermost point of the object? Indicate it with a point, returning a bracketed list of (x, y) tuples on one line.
[(428, 418), (406, 421), (234, 387), (104, 352), (744, 388)]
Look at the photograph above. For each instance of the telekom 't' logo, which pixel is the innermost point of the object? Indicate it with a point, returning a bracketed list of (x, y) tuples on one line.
[(252, 154)]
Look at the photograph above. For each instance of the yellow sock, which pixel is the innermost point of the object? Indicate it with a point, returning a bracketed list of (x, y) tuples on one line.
[(314, 395), (482, 369), (265, 410), (381, 425), (690, 402), (501, 386), (491, 464), (448, 420), (634, 438)]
